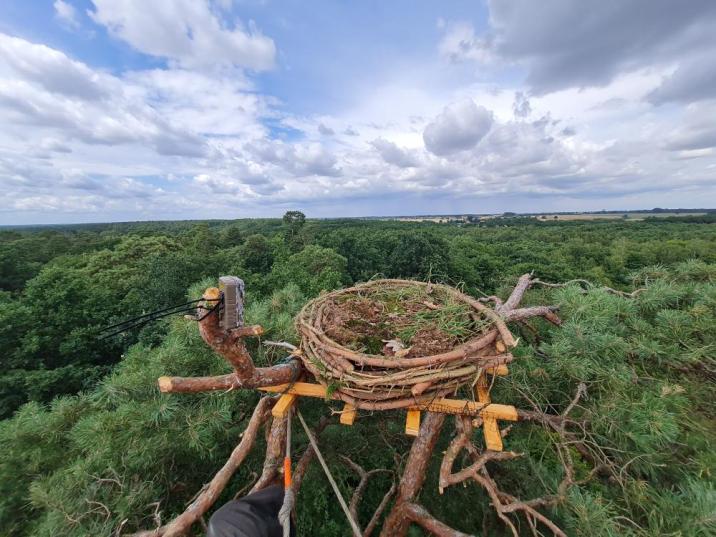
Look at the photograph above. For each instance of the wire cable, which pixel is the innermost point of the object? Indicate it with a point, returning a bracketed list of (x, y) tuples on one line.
[(152, 313)]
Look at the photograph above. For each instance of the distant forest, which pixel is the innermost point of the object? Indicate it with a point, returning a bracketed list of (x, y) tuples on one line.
[(81, 417)]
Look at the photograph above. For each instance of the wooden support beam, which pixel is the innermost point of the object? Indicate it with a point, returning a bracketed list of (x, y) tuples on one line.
[(412, 422), (493, 438), (441, 405), (305, 389), (348, 415), (501, 370), (490, 428), (283, 405)]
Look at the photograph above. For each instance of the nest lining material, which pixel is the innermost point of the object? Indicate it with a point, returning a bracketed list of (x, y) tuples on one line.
[(383, 382)]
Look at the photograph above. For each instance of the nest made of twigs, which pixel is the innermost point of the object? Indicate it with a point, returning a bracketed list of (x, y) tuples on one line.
[(389, 379)]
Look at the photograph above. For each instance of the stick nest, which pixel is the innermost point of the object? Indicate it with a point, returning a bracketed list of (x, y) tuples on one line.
[(391, 344)]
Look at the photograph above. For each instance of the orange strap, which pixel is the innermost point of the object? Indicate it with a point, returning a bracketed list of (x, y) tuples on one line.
[(286, 472)]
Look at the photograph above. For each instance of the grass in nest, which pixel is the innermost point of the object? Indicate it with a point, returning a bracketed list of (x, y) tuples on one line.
[(405, 314)]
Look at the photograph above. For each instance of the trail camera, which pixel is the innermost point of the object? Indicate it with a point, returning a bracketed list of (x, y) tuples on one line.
[(232, 289)]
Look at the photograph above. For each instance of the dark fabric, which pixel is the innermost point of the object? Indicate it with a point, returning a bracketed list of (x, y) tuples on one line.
[(255, 515)]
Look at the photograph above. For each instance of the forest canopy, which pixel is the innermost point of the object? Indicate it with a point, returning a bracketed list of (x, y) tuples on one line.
[(89, 445)]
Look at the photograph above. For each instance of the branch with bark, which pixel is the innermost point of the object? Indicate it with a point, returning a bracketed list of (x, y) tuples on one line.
[(210, 492), (405, 509)]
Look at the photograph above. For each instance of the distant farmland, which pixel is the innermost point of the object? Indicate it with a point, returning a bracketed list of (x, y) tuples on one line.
[(613, 216)]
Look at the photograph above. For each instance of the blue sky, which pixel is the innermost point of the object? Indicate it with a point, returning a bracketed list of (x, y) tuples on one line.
[(134, 110)]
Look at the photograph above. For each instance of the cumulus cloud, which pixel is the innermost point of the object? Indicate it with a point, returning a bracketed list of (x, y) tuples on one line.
[(693, 80), (459, 127), (567, 44), (158, 141), (44, 88), (187, 32), (392, 154), (521, 107), (697, 130), (50, 69)]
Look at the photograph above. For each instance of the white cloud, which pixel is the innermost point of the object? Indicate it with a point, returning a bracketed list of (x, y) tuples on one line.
[(459, 44), (392, 154), (460, 126), (66, 13), (186, 32), (158, 142)]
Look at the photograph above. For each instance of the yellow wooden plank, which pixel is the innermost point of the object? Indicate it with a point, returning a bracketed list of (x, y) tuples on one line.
[(482, 389), (493, 438), (490, 428), (305, 389), (412, 422), (450, 406), (501, 370), (283, 405), (348, 415)]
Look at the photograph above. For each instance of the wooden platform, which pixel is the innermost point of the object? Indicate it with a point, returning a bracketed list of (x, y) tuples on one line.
[(483, 408)]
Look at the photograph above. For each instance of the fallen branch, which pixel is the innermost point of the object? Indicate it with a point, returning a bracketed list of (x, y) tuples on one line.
[(587, 284)]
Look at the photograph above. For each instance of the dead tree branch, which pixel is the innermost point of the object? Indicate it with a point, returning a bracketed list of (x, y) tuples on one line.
[(586, 284), (397, 522), (211, 492), (275, 449), (419, 515), (360, 489)]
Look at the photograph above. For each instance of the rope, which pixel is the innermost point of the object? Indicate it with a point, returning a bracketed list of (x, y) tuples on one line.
[(284, 515), (356, 530)]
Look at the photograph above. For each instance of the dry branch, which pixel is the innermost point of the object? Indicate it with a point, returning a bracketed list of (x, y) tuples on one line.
[(419, 515), (275, 449), (410, 382), (397, 522), (213, 490)]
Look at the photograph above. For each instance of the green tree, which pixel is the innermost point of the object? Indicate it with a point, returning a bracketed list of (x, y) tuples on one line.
[(313, 269), (257, 255), (293, 222)]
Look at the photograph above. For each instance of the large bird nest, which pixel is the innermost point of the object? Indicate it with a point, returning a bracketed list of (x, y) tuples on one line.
[(389, 344)]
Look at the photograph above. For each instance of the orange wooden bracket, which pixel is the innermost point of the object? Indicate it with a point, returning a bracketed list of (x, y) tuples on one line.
[(490, 428), (283, 405), (348, 415), (490, 412), (412, 422)]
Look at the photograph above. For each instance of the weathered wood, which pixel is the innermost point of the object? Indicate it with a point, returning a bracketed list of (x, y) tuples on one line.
[(419, 515), (397, 522), (281, 374), (213, 490), (275, 449)]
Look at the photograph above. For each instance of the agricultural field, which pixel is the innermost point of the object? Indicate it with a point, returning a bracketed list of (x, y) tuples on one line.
[(630, 216), (89, 445)]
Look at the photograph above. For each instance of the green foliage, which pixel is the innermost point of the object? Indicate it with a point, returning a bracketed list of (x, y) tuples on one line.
[(82, 463), (313, 269)]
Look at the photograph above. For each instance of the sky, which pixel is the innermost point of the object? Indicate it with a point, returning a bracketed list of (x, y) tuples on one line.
[(116, 110)]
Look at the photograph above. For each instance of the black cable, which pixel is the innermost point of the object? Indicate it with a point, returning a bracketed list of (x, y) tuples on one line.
[(143, 322), (152, 313), (219, 303)]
